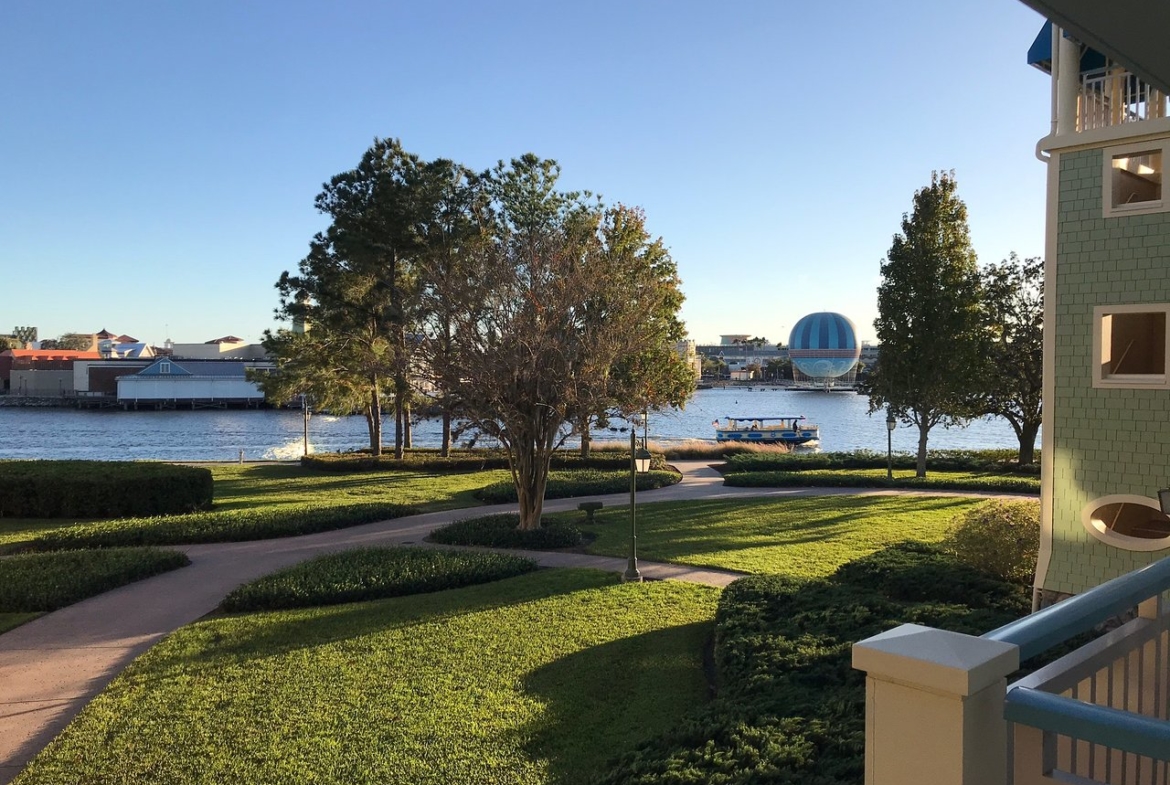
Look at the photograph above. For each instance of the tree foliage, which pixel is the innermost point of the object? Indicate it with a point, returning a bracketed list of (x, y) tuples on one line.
[(933, 342), (1013, 308), (561, 315)]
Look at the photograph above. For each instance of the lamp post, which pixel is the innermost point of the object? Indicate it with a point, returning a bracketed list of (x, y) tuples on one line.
[(891, 424), (639, 462), (305, 421)]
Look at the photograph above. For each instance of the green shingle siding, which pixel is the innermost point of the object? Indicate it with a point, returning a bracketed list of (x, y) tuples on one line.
[(1106, 441)]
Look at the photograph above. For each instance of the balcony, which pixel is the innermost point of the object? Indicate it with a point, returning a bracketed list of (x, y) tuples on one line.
[(1112, 96), (939, 709)]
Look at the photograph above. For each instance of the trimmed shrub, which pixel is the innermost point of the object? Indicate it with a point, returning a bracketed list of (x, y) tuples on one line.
[(581, 482), (998, 461), (841, 479), (42, 582), (999, 537), (791, 709), (101, 489), (499, 531), (464, 461), (372, 574), (225, 526)]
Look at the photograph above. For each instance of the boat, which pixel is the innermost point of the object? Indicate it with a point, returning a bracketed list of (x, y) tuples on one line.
[(766, 430)]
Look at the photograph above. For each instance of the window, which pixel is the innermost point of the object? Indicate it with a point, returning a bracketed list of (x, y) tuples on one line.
[(1129, 346), (1133, 178), (164, 367), (1134, 523)]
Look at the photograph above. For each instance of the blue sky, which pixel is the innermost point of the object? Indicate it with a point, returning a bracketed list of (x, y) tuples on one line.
[(159, 160)]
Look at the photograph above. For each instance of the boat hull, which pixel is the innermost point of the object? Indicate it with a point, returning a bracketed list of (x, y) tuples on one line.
[(767, 435)]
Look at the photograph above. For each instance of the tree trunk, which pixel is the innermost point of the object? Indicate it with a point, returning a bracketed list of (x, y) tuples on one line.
[(1027, 435), (375, 420), (586, 441), (445, 449), (407, 430), (923, 430)]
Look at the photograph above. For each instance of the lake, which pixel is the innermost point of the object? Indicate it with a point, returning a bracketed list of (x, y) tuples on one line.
[(220, 435)]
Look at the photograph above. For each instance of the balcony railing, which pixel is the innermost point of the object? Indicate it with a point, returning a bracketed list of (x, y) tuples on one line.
[(1113, 96), (1100, 714)]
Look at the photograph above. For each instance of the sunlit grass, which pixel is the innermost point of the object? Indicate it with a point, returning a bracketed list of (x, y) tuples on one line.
[(535, 679), (802, 537)]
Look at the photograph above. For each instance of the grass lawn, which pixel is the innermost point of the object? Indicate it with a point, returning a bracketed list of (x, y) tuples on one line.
[(255, 486), (535, 679), (10, 620), (802, 537)]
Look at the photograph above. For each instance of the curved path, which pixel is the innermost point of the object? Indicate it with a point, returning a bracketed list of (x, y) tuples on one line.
[(52, 666)]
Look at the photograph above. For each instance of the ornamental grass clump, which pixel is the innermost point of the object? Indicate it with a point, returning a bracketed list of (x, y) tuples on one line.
[(1001, 538), (499, 531), (373, 574)]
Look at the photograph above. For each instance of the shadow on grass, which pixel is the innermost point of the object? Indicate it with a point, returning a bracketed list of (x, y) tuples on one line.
[(605, 700), (233, 639)]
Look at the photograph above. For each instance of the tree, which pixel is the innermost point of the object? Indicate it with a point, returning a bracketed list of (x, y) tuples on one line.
[(541, 316), (1013, 309), (358, 284), (929, 320), (9, 342), (74, 342)]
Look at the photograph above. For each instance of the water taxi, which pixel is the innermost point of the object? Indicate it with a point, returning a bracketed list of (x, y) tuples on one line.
[(766, 430)]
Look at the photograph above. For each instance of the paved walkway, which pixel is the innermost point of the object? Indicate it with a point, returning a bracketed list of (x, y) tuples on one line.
[(51, 667)]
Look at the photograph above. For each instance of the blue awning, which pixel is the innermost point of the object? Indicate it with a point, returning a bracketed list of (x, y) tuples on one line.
[(1040, 53)]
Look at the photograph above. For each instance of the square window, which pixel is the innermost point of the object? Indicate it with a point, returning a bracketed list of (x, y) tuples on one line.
[(1132, 178), (1130, 345)]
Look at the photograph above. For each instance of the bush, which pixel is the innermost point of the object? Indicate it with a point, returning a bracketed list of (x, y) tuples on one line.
[(101, 489), (499, 531), (841, 479), (581, 482), (42, 582), (464, 461), (999, 537), (791, 709), (371, 574), (998, 461), (225, 526)]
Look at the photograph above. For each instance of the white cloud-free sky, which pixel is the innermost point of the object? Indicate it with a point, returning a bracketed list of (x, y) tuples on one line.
[(159, 160)]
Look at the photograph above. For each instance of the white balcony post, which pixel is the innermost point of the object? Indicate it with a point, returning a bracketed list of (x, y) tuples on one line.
[(934, 707), (1068, 83)]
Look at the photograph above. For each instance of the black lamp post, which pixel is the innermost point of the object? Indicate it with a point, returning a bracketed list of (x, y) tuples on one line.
[(639, 463), (891, 424), (305, 421)]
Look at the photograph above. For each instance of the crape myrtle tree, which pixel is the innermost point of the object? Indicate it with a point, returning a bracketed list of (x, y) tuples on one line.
[(541, 315), (930, 324), (655, 376), (357, 287), (1013, 309)]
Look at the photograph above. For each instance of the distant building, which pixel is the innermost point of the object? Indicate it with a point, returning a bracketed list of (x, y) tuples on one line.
[(172, 383), (39, 373)]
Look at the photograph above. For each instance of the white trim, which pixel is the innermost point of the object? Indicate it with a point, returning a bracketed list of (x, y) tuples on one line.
[(1108, 209), (1129, 381), (1122, 541), (1098, 137)]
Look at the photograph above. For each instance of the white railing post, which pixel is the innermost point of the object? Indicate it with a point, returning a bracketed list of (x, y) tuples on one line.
[(934, 707)]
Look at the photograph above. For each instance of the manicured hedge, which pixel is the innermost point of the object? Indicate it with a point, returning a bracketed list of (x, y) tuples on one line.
[(1000, 461), (829, 479), (499, 531), (41, 582), (790, 708), (581, 482), (464, 461), (372, 574), (101, 489), (219, 526)]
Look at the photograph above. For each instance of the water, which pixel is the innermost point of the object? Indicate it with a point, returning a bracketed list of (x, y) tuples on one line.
[(219, 435)]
